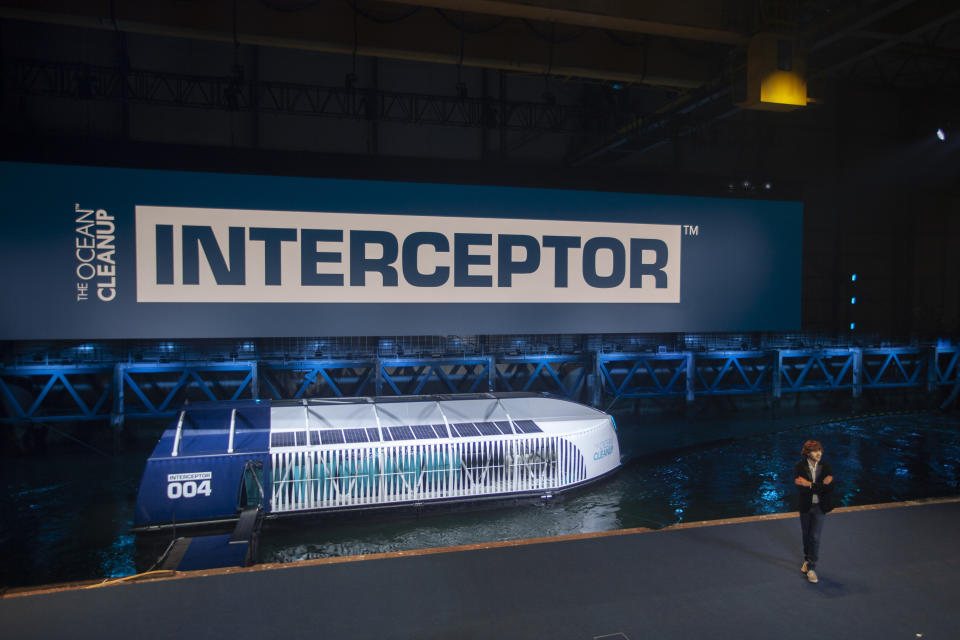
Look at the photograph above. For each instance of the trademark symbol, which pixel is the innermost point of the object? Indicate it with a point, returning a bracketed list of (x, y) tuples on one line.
[(691, 229)]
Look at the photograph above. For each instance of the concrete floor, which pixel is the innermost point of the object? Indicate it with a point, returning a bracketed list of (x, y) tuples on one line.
[(886, 572)]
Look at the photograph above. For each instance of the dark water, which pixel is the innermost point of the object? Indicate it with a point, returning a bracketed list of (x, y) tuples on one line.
[(66, 517)]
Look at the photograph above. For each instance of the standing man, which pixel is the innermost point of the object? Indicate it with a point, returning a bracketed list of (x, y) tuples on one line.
[(814, 480)]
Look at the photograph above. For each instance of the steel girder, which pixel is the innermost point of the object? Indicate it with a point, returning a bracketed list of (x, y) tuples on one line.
[(817, 369), (945, 366), (894, 367), (329, 377), (640, 375), (563, 375), (56, 393), (732, 372), (151, 390), (626, 375), (377, 376), (84, 392), (414, 376), (90, 82)]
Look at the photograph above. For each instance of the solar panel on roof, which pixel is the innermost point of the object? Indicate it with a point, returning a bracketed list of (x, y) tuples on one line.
[(373, 434), (527, 426), (331, 436), (441, 430), (314, 438), (355, 435), (401, 433), (301, 438), (466, 429), (487, 428), (504, 427), (282, 439), (423, 431)]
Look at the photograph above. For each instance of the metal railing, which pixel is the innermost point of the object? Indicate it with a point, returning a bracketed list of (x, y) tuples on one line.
[(308, 478)]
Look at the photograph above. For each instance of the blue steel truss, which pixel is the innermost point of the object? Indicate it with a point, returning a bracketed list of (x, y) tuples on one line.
[(817, 370), (946, 368), (641, 375), (319, 378), (83, 392), (732, 372), (414, 376), (561, 375), (57, 393), (150, 390), (894, 367)]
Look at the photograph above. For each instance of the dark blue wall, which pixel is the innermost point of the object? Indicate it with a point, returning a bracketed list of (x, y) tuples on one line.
[(741, 272)]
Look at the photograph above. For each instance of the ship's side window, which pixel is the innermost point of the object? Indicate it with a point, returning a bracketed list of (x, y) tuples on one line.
[(251, 486)]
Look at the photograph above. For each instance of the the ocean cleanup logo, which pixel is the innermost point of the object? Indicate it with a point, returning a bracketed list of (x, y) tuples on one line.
[(95, 252), (603, 449), (218, 255)]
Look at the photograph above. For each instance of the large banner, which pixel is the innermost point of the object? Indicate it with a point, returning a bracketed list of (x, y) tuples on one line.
[(94, 253)]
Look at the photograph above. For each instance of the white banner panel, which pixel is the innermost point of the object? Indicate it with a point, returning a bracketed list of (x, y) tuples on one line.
[(200, 255)]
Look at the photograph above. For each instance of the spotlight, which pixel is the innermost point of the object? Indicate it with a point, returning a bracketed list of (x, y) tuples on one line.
[(941, 135), (853, 325), (853, 300), (767, 186), (853, 278)]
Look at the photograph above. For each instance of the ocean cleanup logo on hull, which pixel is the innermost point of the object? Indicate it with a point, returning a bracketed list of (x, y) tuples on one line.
[(226, 255)]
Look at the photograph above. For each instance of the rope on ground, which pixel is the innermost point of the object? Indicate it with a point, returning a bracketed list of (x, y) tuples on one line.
[(136, 576)]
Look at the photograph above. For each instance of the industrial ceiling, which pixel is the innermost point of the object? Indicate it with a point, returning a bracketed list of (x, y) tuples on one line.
[(606, 80)]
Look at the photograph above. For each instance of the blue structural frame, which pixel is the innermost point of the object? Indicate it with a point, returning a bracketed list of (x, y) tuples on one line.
[(148, 390), (414, 376), (57, 393), (778, 371), (562, 375), (335, 378), (819, 370), (85, 392)]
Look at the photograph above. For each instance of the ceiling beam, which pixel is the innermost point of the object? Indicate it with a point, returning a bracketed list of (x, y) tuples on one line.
[(888, 44), (425, 36), (618, 16)]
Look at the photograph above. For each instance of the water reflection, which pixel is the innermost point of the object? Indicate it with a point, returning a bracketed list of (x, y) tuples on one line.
[(884, 459), (68, 517)]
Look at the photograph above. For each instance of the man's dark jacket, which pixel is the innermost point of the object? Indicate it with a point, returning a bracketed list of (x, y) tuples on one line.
[(823, 492)]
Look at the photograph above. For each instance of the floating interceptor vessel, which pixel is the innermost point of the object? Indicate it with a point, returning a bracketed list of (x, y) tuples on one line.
[(300, 457)]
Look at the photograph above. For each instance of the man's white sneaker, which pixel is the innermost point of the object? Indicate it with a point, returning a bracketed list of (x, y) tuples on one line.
[(812, 576)]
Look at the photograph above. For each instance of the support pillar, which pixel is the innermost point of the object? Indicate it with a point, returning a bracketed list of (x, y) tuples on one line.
[(117, 414), (595, 380), (691, 366), (931, 369), (491, 373), (378, 377), (777, 382), (254, 379), (857, 372)]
